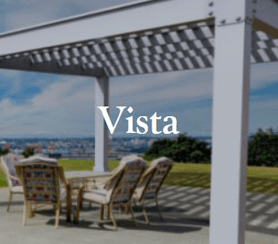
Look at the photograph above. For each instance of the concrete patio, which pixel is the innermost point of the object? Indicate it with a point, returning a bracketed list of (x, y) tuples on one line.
[(186, 220)]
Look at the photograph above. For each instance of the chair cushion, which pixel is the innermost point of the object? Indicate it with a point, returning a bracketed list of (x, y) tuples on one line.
[(63, 193), (39, 159), (98, 196), (17, 189)]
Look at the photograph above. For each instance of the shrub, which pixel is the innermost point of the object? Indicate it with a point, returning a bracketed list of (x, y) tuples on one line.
[(263, 148), (183, 149), (197, 156), (6, 149), (29, 151)]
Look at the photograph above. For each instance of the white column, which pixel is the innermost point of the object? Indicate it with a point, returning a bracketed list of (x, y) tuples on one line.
[(101, 130), (230, 131)]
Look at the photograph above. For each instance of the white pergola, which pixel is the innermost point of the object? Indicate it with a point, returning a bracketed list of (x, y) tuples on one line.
[(164, 36)]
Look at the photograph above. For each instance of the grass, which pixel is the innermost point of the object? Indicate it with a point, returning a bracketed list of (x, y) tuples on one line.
[(259, 179)]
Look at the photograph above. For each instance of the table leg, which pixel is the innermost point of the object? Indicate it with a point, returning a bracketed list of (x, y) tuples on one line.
[(29, 210), (69, 202), (108, 212), (101, 212)]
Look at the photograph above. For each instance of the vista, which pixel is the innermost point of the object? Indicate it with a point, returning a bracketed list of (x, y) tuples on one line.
[(142, 125)]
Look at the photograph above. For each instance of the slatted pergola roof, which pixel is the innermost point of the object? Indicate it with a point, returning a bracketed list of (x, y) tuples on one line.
[(182, 46), (155, 36), (170, 48)]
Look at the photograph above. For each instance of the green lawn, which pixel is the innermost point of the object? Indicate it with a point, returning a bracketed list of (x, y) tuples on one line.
[(259, 179)]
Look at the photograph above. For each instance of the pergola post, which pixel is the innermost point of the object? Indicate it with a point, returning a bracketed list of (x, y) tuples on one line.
[(101, 130), (230, 122)]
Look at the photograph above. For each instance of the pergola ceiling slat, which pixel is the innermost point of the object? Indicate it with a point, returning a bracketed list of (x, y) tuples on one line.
[(166, 49), (257, 56), (272, 57)]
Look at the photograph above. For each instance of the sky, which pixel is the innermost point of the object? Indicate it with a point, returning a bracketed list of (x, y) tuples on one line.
[(48, 105)]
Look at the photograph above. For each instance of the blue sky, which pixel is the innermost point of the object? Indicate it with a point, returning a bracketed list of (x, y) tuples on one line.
[(42, 105)]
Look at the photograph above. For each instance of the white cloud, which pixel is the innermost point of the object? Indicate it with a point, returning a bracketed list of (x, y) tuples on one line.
[(269, 102), (264, 114), (52, 111), (167, 87), (263, 74), (66, 107)]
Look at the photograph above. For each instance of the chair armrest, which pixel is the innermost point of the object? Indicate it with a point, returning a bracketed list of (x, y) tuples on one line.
[(62, 176), (13, 177), (111, 178), (101, 181), (147, 172)]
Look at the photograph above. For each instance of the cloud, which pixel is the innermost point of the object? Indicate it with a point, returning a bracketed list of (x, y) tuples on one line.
[(269, 102), (52, 111), (264, 114), (166, 87), (263, 75), (64, 105), (196, 121)]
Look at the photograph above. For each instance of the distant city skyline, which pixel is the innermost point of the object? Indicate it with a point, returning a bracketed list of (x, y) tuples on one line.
[(77, 147), (47, 105)]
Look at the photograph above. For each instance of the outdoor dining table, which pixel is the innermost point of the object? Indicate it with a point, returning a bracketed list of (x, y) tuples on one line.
[(75, 180)]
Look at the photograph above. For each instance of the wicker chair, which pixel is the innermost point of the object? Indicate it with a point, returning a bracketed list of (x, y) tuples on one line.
[(8, 165), (150, 183), (41, 185), (117, 190)]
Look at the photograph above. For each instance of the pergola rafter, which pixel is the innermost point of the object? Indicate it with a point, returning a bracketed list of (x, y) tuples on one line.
[(172, 48), (154, 36), (28, 63)]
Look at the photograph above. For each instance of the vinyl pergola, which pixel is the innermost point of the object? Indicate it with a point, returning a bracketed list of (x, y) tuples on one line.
[(164, 36)]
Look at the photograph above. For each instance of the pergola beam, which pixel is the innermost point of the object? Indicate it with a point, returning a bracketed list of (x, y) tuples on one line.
[(266, 12), (25, 64), (265, 27), (139, 16)]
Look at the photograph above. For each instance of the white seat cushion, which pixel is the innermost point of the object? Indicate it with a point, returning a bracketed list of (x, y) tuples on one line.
[(38, 159), (63, 193), (98, 196), (17, 189)]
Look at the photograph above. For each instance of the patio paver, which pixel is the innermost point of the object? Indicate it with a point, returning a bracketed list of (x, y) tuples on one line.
[(185, 209)]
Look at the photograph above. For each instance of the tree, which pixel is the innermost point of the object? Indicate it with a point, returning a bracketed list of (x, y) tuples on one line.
[(183, 149), (6, 149), (29, 151), (263, 149)]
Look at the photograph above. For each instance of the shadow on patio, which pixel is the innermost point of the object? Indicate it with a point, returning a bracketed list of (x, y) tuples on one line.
[(185, 209)]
